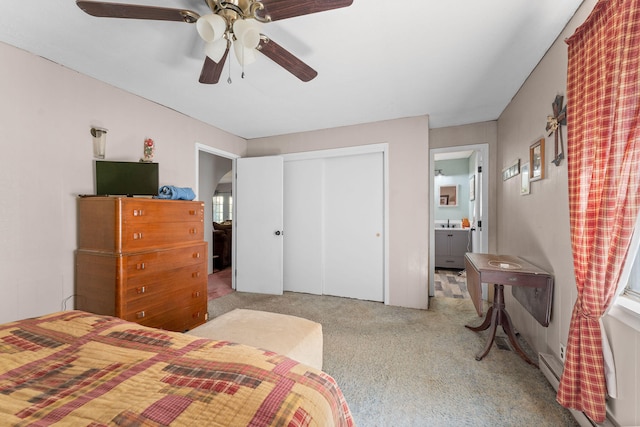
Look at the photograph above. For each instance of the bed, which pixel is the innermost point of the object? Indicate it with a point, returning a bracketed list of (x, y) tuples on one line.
[(81, 369)]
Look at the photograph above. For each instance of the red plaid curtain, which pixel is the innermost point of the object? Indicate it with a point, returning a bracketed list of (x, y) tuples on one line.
[(603, 157)]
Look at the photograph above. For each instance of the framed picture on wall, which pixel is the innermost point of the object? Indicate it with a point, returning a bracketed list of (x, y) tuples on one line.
[(472, 188), (524, 179), (512, 170), (536, 160)]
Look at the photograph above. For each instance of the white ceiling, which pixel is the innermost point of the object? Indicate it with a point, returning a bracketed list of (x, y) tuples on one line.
[(453, 155), (457, 61)]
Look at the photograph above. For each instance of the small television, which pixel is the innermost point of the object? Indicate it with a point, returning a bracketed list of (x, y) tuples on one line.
[(126, 178)]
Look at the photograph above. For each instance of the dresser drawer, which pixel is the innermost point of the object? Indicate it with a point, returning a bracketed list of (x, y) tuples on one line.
[(161, 284), (136, 211), (179, 320), (188, 305), (164, 260), (117, 224), (137, 237)]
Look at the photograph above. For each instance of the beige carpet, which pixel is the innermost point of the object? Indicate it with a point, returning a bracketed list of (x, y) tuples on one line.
[(405, 367)]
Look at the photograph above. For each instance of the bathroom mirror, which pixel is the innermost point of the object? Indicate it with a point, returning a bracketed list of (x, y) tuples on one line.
[(448, 195)]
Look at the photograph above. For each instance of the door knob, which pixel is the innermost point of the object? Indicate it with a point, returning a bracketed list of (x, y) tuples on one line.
[(278, 233)]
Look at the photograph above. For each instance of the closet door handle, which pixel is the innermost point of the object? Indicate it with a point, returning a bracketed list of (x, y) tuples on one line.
[(137, 236)]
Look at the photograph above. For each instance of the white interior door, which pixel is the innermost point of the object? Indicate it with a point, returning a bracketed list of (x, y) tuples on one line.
[(354, 226), (259, 224), (303, 218)]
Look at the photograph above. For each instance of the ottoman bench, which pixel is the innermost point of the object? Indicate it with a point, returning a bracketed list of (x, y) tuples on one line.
[(297, 338)]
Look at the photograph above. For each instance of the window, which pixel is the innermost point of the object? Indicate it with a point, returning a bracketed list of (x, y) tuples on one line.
[(222, 207), (631, 296), (633, 289)]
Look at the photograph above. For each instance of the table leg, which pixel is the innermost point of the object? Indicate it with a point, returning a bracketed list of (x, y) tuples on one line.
[(508, 329), (485, 325), (497, 315), (492, 333)]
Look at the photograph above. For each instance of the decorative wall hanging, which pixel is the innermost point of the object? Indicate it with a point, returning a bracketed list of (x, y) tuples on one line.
[(536, 160), (554, 124), (525, 188), (512, 170)]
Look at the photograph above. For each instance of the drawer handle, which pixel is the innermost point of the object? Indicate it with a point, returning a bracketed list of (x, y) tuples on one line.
[(192, 212), (138, 212), (140, 266), (195, 274), (196, 294), (137, 236), (196, 255), (196, 315), (141, 289), (513, 279), (140, 315), (193, 231)]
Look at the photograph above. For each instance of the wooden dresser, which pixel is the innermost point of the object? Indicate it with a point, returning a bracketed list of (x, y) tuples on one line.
[(143, 260)]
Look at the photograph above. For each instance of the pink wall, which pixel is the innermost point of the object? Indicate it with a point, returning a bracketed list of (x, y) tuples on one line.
[(45, 116), (408, 141)]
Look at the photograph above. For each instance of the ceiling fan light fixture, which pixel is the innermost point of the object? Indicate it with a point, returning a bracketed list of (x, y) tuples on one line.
[(211, 27), (244, 55), (247, 33), (215, 50)]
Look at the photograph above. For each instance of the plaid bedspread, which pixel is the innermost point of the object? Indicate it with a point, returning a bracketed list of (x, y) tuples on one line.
[(79, 369)]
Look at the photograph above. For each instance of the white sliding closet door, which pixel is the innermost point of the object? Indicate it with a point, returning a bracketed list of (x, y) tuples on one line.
[(332, 213), (303, 201), (354, 227)]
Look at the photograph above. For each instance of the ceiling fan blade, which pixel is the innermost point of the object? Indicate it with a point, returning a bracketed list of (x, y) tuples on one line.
[(286, 59), (212, 70), (120, 10), (283, 9)]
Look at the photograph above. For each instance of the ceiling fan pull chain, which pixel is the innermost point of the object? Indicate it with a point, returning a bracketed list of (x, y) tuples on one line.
[(229, 68), (242, 75)]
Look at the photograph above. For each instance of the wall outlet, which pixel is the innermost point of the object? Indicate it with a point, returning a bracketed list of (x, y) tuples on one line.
[(562, 352)]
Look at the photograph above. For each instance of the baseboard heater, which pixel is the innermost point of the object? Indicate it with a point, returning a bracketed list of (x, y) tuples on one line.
[(551, 367)]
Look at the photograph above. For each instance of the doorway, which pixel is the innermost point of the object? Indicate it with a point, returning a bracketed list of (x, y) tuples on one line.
[(462, 170), (213, 169)]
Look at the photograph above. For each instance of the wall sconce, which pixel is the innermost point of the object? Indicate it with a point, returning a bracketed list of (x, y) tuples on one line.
[(99, 142), (439, 172)]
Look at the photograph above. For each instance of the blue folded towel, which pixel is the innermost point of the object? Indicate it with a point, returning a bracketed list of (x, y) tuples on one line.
[(176, 193)]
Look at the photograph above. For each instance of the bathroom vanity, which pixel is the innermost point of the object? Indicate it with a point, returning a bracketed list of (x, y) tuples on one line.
[(451, 246)]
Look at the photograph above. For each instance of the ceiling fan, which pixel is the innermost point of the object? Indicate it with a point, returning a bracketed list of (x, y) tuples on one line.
[(233, 23)]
